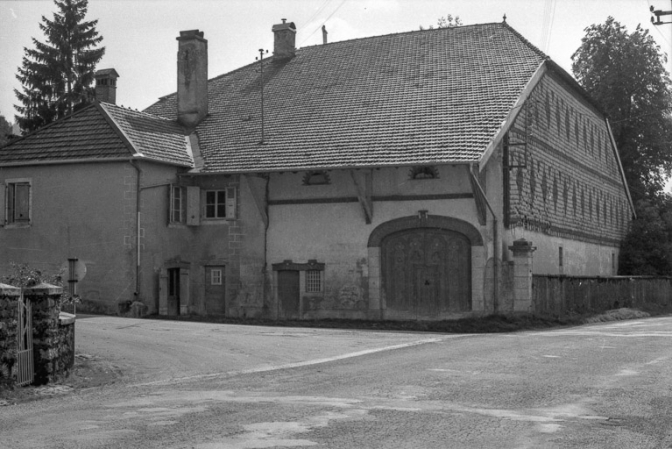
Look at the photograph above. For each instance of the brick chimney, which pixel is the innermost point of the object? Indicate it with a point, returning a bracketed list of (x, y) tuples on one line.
[(284, 46), (192, 78), (106, 85)]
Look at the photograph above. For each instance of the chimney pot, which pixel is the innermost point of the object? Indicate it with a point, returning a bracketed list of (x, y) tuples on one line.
[(106, 85), (324, 34), (284, 45), (192, 78)]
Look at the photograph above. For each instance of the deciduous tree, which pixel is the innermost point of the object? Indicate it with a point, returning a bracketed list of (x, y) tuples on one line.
[(625, 73), (57, 74)]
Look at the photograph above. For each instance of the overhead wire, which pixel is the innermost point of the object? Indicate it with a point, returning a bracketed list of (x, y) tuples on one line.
[(324, 21)]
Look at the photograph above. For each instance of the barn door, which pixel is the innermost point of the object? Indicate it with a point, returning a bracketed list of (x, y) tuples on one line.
[(426, 273), (289, 293)]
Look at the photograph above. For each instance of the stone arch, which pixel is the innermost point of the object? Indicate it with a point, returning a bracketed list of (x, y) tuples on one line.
[(430, 221)]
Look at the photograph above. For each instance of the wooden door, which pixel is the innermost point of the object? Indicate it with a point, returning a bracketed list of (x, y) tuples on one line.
[(289, 293), (215, 290), (426, 273), (173, 291)]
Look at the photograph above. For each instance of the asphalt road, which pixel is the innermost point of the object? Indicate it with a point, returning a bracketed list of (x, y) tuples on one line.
[(194, 385)]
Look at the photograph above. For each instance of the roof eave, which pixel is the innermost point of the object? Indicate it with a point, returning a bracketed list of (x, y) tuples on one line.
[(324, 167)]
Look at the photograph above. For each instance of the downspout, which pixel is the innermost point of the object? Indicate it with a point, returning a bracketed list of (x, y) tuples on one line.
[(137, 226), (495, 243)]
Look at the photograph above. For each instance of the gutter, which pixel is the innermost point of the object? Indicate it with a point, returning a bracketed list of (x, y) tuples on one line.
[(495, 243), (138, 189)]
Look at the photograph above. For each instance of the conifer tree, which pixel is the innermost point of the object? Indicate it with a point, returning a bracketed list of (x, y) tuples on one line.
[(57, 74)]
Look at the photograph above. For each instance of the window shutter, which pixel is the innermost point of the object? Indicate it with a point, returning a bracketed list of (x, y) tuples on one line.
[(3, 210), (231, 203), (171, 200), (22, 201), (193, 206)]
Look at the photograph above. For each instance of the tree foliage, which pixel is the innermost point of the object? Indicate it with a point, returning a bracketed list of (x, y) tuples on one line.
[(5, 130), (446, 22), (625, 73), (57, 74)]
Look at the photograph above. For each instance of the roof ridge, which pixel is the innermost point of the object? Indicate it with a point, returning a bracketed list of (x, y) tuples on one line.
[(428, 30), (105, 104)]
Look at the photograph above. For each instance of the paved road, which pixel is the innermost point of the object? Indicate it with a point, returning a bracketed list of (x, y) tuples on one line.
[(598, 386)]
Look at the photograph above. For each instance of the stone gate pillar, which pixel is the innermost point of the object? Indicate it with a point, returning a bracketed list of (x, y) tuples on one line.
[(9, 315), (49, 349), (522, 275)]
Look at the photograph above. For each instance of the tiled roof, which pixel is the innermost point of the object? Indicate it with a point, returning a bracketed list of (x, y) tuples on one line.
[(423, 97), (84, 135), (153, 137), (102, 131)]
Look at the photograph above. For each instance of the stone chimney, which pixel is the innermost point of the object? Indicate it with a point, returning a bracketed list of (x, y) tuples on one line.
[(106, 85), (324, 35), (192, 78), (284, 46)]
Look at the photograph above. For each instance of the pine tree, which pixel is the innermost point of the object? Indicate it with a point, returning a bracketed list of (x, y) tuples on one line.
[(57, 75)]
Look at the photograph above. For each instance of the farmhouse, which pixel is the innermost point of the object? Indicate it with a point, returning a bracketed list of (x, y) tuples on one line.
[(390, 177)]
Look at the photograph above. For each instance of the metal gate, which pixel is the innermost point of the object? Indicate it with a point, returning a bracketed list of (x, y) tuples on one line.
[(26, 370)]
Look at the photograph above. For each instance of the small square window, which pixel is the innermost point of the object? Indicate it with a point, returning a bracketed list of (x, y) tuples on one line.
[(215, 277), (313, 281)]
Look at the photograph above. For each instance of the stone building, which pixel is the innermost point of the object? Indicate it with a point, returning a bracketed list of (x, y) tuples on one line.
[(381, 178)]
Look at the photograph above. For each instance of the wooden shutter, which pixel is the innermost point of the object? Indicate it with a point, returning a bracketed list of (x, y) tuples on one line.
[(193, 206), (171, 199), (231, 203), (22, 202)]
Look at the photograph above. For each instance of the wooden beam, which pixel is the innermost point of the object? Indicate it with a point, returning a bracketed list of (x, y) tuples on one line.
[(478, 195), (364, 187), (257, 188)]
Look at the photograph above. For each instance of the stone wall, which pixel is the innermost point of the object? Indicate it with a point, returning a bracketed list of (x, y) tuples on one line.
[(9, 315), (53, 344)]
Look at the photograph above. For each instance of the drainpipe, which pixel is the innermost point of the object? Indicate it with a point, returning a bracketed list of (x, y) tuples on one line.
[(495, 244), (135, 165)]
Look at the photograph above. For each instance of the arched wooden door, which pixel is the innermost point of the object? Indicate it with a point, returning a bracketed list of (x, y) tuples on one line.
[(426, 273)]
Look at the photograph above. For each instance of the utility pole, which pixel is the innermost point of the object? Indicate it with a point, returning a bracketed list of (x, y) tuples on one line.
[(658, 13)]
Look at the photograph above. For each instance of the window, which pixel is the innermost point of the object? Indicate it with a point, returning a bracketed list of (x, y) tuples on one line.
[(215, 277), (177, 204), (220, 203), (424, 172), (17, 202), (313, 281), (215, 204), (314, 178)]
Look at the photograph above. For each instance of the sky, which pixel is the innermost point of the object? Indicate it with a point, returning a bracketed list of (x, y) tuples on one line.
[(139, 35)]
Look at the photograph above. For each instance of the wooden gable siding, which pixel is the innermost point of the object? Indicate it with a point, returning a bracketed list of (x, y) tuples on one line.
[(566, 181)]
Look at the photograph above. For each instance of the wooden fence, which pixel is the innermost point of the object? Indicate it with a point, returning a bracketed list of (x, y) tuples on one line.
[(563, 295)]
